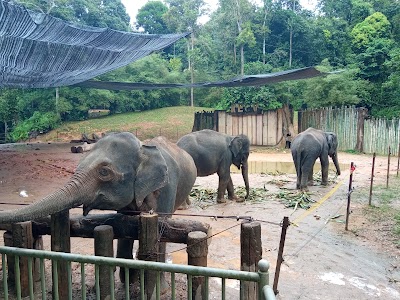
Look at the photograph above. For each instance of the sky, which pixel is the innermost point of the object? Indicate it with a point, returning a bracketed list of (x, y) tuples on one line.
[(132, 6)]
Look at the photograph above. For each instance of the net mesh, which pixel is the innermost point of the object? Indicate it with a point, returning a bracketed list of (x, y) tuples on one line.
[(39, 51)]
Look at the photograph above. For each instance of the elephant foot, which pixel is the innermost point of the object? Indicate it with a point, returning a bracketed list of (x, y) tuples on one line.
[(324, 183), (183, 206), (221, 200), (133, 275), (239, 199), (304, 189)]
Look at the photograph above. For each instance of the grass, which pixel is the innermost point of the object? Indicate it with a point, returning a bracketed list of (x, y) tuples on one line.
[(171, 122), (386, 205)]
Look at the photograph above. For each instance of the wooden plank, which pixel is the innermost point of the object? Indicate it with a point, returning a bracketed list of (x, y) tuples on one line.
[(259, 121), (241, 124), (244, 125), (279, 128), (272, 121), (235, 125), (253, 130), (222, 121), (228, 124), (265, 129)]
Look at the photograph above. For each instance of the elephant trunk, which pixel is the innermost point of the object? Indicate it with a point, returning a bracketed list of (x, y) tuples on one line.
[(69, 196), (336, 163), (245, 174)]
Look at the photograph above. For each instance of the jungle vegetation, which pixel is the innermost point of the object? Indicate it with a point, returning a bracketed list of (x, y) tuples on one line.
[(359, 37)]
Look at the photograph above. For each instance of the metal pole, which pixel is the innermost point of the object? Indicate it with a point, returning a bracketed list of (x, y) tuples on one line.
[(372, 179), (388, 167), (349, 196), (279, 260)]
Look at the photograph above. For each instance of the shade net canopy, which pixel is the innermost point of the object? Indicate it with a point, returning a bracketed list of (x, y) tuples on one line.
[(248, 80), (40, 51)]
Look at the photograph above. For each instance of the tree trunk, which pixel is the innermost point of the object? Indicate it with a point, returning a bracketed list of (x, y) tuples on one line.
[(288, 128), (191, 70), (362, 114)]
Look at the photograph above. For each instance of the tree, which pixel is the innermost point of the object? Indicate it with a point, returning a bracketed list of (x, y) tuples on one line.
[(151, 18), (183, 16), (97, 13)]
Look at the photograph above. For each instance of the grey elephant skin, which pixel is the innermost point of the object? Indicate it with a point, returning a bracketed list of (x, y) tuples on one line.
[(120, 173), (214, 152), (306, 147)]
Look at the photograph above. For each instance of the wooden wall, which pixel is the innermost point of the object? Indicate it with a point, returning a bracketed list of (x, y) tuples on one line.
[(264, 129)]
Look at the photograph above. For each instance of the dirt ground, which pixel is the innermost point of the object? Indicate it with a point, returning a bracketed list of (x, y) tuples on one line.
[(322, 259)]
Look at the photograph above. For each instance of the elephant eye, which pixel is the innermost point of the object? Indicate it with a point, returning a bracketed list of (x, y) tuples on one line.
[(105, 173)]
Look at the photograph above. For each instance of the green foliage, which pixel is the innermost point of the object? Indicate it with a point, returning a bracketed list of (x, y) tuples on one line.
[(339, 89), (150, 17), (376, 26), (40, 122), (107, 13)]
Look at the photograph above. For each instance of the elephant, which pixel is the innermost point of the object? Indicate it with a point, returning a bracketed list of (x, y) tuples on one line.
[(214, 152), (306, 147), (121, 173)]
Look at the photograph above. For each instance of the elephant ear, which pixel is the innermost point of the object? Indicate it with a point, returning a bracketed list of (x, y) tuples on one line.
[(236, 145), (332, 142), (152, 173)]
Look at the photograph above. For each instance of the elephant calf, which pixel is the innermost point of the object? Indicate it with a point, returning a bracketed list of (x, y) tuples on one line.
[(215, 152), (306, 147)]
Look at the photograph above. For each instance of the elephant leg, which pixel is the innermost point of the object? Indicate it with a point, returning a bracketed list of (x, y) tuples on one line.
[(186, 204), (298, 176), (324, 169), (124, 250), (310, 181), (306, 172), (222, 187), (231, 191)]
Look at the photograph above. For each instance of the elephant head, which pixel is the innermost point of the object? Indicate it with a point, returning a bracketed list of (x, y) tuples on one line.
[(332, 142), (240, 148), (117, 172)]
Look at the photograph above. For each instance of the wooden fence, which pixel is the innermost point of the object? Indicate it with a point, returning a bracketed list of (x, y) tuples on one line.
[(375, 135), (263, 129)]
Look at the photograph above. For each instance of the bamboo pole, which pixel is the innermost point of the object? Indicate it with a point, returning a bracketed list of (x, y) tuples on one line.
[(349, 196), (372, 179), (388, 168)]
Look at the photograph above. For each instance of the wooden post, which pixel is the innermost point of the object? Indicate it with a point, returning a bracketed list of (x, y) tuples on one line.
[(349, 196), (23, 238), (398, 161), (197, 250), (372, 179), (362, 114), (103, 246), (148, 238), (388, 168), (60, 242), (279, 260), (250, 255)]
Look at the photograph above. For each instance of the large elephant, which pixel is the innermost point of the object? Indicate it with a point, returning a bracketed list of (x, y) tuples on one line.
[(214, 152), (120, 172), (306, 147)]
